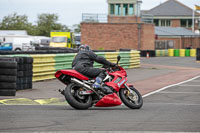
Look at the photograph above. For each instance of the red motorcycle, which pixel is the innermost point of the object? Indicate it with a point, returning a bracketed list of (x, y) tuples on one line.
[(80, 94)]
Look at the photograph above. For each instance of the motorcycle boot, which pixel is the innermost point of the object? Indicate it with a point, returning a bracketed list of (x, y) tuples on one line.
[(98, 84)]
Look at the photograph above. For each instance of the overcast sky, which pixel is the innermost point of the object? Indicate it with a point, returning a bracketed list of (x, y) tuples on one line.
[(69, 11)]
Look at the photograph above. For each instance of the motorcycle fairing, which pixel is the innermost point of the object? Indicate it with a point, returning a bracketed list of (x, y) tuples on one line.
[(117, 85), (74, 73), (109, 101)]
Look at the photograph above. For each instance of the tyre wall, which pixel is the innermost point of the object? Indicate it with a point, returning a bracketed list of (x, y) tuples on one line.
[(15, 74), (44, 66), (198, 54), (177, 53)]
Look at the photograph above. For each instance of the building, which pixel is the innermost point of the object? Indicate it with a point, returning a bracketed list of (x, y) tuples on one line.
[(172, 13), (122, 29), (127, 26), (176, 37), (174, 24)]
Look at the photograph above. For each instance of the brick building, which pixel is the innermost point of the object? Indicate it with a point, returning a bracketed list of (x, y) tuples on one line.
[(175, 37), (174, 22), (127, 27), (172, 13), (123, 28)]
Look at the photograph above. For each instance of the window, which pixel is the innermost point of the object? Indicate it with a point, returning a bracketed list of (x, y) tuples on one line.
[(186, 23), (125, 9), (117, 9), (162, 22), (168, 23), (131, 9), (112, 9), (156, 22), (59, 39), (189, 22), (183, 22)]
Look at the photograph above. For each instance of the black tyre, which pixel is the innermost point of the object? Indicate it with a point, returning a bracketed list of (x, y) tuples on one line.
[(18, 49), (132, 100), (75, 100), (30, 86), (10, 79), (11, 72), (19, 80), (20, 67), (20, 74), (28, 73), (19, 87), (8, 64), (28, 60), (5, 92), (30, 80), (19, 60), (6, 58), (27, 67), (4, 85), (25, 86)]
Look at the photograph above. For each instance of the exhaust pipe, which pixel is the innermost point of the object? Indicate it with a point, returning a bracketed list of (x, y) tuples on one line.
[(81, 83), (84, 85)]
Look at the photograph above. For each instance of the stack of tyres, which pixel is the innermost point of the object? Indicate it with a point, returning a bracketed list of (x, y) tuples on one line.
[(187, 52), (8, 76), (24, 72), (198, 54), (182, 53), (176, 52), (171, 52), (193, 52)]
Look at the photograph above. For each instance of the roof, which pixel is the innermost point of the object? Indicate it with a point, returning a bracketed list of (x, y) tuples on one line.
[(13, 32), (171, 8), (173, 31)]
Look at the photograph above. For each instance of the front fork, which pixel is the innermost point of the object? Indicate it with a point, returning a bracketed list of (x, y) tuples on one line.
[(132, 94), (131, 91)]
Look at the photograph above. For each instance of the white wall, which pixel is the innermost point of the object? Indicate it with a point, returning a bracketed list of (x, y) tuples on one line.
[(10, 38)]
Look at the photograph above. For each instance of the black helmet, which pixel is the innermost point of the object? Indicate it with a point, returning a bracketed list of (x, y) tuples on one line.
[(84, 47)]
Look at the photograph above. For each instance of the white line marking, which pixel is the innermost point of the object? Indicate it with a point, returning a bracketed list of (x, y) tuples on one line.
[(151, 93)]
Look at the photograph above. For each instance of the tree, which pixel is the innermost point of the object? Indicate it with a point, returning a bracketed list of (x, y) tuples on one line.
[(48, 22), (14, 22), (77, 28), (17, 22), (45, 24)]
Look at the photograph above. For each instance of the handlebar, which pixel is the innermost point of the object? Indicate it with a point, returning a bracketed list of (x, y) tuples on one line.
[(109, 68), (116, 68)]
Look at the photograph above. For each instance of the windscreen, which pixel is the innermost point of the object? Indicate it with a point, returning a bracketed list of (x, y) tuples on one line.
[(59, 39)]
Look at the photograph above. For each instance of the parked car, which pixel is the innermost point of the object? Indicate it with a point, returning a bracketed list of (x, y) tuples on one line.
[(6, 47)]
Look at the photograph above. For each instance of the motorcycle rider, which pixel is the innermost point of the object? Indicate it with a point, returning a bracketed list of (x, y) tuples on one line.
[(83, 63)]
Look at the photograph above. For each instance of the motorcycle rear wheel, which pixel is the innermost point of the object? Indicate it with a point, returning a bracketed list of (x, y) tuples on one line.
[(74, 99), (133, 101)]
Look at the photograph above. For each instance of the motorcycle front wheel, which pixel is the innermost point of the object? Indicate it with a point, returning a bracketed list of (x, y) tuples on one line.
[(74, 99), (132, 100)]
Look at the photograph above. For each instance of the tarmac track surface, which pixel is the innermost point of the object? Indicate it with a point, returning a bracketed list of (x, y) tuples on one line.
[(173, 109)]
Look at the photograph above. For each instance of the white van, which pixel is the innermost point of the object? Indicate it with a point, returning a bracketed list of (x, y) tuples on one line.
[(23, 44)]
